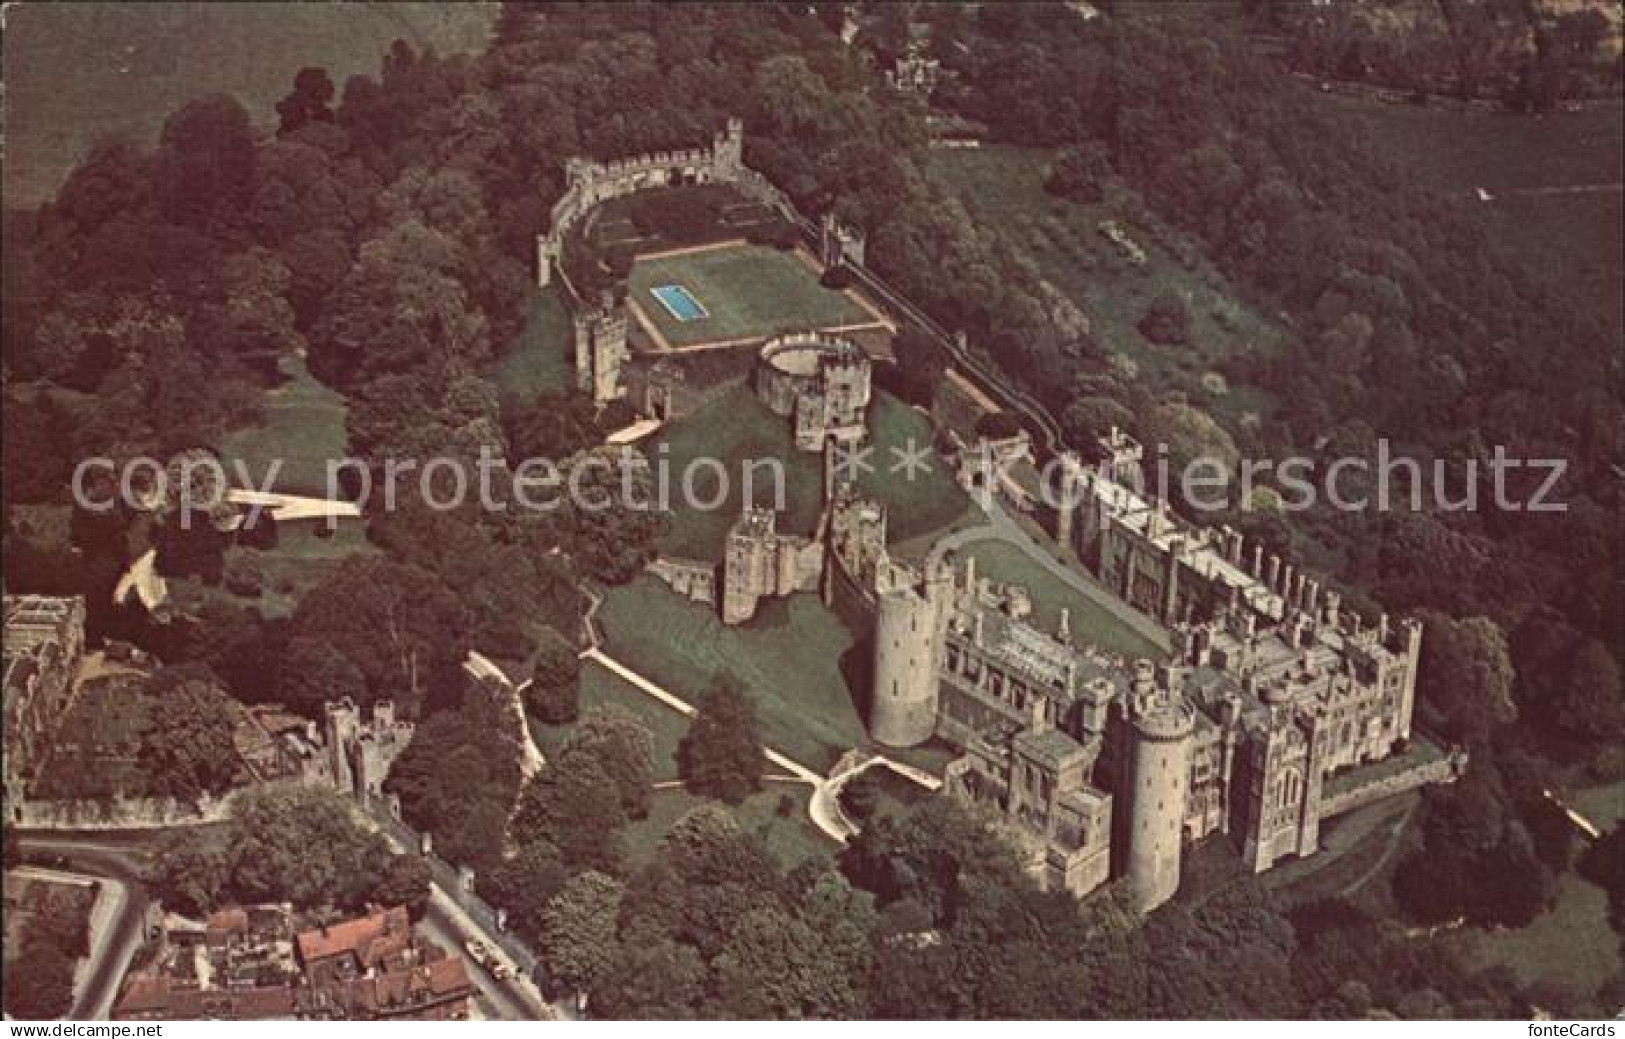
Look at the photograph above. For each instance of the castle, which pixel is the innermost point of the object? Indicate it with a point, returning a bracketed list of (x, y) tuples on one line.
[(600, 327), (1258, 727), (1262, 723), (357, 753), (601, 349)]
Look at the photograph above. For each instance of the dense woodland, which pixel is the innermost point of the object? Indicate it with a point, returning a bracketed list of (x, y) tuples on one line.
[(386, 228)]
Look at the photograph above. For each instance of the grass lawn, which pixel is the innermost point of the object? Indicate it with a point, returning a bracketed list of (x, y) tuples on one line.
[(540, 357), (1004, 187), (748, 291), (300, 561), (76, 73), (302, 428), (603, 688), (737, 428), (789, 658), (1090, 622), (1571, 943), (792, 836)]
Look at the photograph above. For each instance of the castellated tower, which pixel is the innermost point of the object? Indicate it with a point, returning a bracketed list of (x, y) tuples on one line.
[(728, 151), (1159, 730), (343, 726), (910, 626), (600, 349)]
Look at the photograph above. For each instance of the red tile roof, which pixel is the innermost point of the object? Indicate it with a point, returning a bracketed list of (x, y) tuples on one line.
[(371, 939)]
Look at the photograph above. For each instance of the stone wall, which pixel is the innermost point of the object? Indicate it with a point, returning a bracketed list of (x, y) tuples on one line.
[(119, 813), (694, 579), (1440, 770)]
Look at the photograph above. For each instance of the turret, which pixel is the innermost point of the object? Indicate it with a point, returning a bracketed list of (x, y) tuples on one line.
[(910, 626), (1160, 727)]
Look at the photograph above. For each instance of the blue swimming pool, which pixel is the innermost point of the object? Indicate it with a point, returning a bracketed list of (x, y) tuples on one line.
[(679, 302)]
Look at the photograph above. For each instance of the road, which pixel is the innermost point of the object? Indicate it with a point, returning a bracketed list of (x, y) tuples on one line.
[(119, 862), (120, 857)]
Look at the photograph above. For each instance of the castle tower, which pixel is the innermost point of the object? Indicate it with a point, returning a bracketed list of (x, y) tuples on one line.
[(910, 626), (728, 151), (1121, 458), (1069, 497), (546, 252), (750, 564), (1159, 730), (343, 726), (601, 349)]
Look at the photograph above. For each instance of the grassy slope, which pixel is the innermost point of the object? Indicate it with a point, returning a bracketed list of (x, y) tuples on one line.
[(302, 429), (77, 73), (1004, 187), (789, 659), (1001, 561), (749, 290), (737, 428), (792, 836), (540, 357)]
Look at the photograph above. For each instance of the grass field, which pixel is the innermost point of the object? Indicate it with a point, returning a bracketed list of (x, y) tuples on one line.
[(792, 836), (540, 357), (1519, 160), (1004, 187), (789, 658), (302, 560), (603, 688), (1090, 622), (1570, 944), (76, 73), (748, 291), (737, 428), (302, 428)]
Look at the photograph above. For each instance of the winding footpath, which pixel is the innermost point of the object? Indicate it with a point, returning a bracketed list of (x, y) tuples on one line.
[(824, 807)]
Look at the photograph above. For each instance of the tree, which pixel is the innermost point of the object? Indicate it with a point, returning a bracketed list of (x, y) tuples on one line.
[(303, 844), (776, 967), (524, 884), (721, 754), (1590, 707), (39, 982), (658, 980), (314, 673), (245, 575), (624, 748), (206, 161), (405, 882), (402, 628), (1465, 677), (579, 942), (186, 747), (189, 871), (460, 776), (860, 797), (1167, 321), (554, 692), (310, 101), (1079, 173), (573, 803)]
